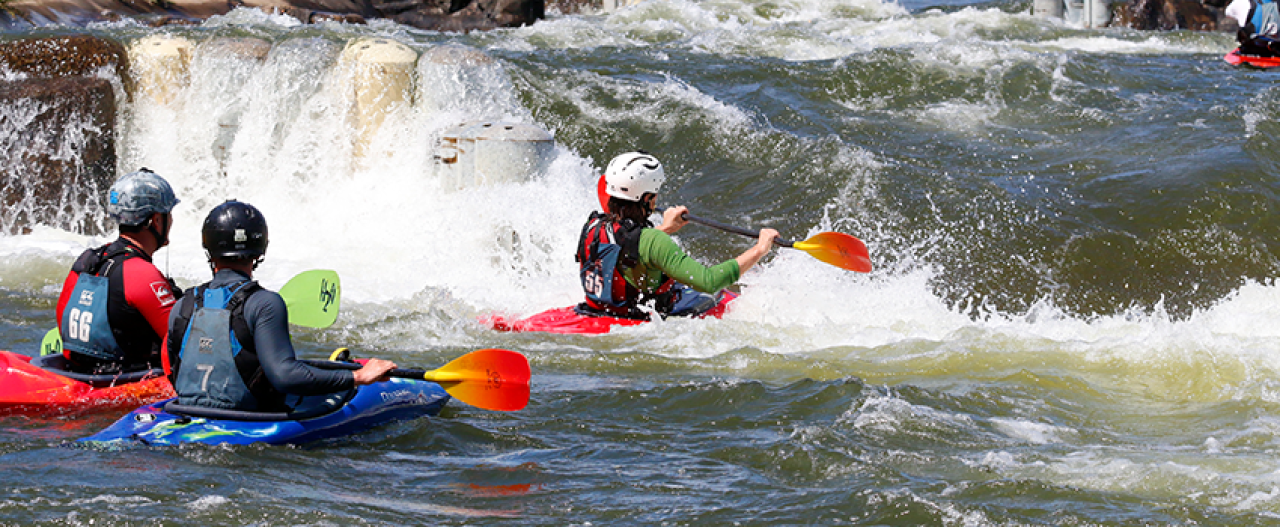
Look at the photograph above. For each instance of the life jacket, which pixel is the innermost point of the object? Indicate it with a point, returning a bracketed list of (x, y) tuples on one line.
[(98, 324), (606, 249), (1264, 16), (217, 365)]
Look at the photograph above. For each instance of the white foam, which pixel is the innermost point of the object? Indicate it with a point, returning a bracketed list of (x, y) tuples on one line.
[(204, 503), (1030, 431)]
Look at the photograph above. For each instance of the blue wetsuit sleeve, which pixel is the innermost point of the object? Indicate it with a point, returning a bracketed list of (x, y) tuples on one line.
[(266, 314)]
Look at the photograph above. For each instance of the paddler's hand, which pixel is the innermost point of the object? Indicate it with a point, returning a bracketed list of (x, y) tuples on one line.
[(763, 245), (673, 219), (765, 241), (375, 370)]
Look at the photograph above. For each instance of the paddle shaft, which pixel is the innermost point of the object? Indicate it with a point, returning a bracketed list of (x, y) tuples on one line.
[(840, 250), (730, 228), (404, 373)]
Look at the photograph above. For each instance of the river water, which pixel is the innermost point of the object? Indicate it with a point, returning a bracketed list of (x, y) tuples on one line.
[(1072, 321)]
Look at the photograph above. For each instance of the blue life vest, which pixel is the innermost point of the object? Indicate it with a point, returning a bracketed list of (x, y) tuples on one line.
[(1265, 18), (86, 328), (217, 366)]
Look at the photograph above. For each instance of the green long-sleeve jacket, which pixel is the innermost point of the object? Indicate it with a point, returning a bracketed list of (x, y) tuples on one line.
[(659, 254)]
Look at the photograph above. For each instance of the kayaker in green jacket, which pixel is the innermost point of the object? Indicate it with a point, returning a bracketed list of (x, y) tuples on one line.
[(624, 261)]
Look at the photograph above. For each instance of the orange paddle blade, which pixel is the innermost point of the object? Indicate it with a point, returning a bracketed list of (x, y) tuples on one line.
[(493, 379), (838, 249)]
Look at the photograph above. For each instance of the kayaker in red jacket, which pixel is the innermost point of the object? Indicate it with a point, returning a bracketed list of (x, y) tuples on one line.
[(228, 344), (625, 261), (114, 308)]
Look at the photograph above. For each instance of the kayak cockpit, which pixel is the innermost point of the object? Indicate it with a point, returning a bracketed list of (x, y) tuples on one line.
[(58, 364), (307, 408)]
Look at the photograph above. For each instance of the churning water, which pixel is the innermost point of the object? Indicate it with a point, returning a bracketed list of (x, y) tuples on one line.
[(1072, 320)]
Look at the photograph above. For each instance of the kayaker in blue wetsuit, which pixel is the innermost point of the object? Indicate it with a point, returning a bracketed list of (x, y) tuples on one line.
[(228, 344), (1259, 21), (624, 261)]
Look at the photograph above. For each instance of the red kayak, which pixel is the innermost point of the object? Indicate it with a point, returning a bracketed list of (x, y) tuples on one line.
[(42, 385), (566, 320), (1235, 58)]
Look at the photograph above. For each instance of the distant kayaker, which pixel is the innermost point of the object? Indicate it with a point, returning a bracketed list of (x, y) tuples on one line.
[(228, 344), (624, 261), (1259, 22), (114, 308)]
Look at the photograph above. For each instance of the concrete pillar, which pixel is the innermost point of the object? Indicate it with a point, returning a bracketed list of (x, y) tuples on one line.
[(160, 66), (381, 75), (486, 153), (1047, 8), (461, 79), (222, 68), (1089, 13)]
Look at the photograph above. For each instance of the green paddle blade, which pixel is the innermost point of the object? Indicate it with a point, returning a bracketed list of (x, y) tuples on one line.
[(312, 298), (52, 343)]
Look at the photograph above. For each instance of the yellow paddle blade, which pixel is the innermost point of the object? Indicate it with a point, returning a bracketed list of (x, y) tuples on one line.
[(838, 249), (493, 379)]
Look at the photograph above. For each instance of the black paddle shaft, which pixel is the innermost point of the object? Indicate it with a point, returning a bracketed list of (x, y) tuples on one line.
[(730, 228), (404, 373)]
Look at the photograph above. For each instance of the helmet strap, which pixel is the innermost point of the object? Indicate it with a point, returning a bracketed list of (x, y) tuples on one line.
[(162, 238)]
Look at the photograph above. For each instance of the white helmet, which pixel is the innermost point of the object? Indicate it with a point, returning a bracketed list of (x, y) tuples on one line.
[(631, 175)]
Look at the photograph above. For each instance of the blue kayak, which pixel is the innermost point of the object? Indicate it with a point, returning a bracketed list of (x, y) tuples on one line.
[(169, 423)]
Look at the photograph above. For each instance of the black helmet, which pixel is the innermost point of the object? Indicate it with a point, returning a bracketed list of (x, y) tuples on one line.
[(235, 230)]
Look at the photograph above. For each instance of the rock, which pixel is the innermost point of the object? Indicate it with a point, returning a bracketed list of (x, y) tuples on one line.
[(514, 13), (465, 15), (318, 17), (309, 16), (443, 15), (59, 153), (64, 56), (1172, 14)]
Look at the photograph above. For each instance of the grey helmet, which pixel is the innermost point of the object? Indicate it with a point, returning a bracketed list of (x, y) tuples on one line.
[(136, 196)]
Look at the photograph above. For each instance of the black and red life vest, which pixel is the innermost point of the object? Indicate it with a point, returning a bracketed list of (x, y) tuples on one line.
[(606, 249), (100, 330)]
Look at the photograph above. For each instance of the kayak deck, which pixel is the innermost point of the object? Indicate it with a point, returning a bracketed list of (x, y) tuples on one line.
[(43, 385), (1235, 58), (166, 423), (567, 320)]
